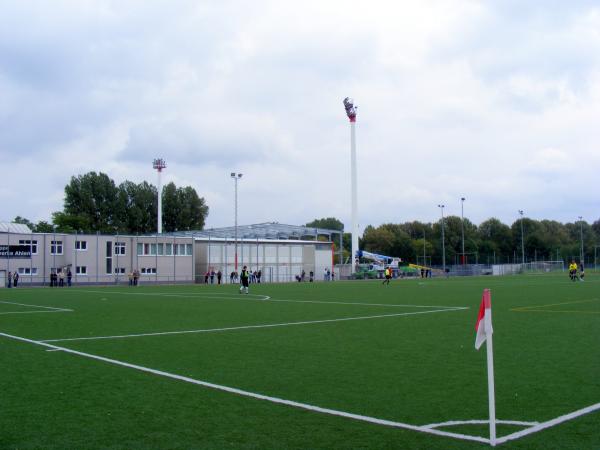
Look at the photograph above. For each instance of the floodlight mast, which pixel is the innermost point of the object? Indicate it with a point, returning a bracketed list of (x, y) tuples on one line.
[(351, 113), (159, 164), (236, 176)]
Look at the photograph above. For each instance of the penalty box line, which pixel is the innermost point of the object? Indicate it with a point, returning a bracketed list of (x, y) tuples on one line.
[(254, 395), (50, 308), (264, 298), (249, 327)]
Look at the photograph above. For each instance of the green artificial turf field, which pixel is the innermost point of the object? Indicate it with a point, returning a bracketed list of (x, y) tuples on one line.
[(295, 365)]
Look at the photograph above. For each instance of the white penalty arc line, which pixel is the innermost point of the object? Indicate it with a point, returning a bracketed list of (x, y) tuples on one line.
[(254, 395), (247, 327)]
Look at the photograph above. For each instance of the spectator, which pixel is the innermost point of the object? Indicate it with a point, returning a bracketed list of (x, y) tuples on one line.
[(69, 277), (219, 276), (9, 279), (16, 279)]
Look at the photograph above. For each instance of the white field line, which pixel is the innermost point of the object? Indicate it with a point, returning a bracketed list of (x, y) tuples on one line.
[(452, 423), (549, 423), (52, 309), (216, 295), (254, 395), (264, 298), (247, 327)]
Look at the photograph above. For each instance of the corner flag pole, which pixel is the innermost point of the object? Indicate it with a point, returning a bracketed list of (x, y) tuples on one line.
[(484, 333), (490, 366)]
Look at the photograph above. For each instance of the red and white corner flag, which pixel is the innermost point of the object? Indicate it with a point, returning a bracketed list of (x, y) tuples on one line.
[(484, 334), (483, 326)]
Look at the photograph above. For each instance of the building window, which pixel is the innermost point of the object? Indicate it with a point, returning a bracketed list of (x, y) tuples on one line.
[(28, 271), (119, 248), (189, 249), (56, 247), (81, 270), (168, 249), (119, 270), (148, 270), (108, 257), (81, 246), (160, 249), (32, 244)]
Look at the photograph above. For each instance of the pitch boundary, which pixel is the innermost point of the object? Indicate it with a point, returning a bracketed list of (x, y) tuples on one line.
[(430, 429)]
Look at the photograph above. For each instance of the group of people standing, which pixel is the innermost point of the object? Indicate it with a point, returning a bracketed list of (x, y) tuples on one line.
[(573, 271), (57, 278), (134, 277), (13, 279)]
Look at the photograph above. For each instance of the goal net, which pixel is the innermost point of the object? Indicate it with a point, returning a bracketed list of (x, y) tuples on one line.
[(543, 267)]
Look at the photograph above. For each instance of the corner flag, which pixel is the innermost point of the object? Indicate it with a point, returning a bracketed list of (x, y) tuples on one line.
[(483, 326), (484, 334)]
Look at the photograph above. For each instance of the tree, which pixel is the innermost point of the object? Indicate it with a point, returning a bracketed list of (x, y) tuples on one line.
[(183, 210), (92, 198), (329, 223), (24, 221)]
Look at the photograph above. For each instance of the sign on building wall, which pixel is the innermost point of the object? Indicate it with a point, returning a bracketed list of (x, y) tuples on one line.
[(15, 251)]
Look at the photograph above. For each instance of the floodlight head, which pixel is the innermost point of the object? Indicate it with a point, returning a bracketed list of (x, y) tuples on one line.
[(521, 211), (159, 164), (350, 109), (239, 175), (232, 174), (463, 199)]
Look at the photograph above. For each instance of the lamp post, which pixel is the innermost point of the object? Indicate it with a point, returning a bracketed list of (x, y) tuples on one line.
[(443, 241), (236, 177), (351, 113), (159, 164), (462, 227), (522, 240), (581, 239)]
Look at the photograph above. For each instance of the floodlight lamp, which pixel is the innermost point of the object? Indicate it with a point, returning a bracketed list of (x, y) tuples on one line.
[(159, 164), (239, 175), (232, 174), (521, 211), (350, 109)]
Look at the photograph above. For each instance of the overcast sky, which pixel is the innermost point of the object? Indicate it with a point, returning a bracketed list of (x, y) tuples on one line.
[(495, 101)]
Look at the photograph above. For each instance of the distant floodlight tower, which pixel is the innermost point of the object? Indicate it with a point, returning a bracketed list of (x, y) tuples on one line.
[(351, 113), (159, 164), (236, 176)]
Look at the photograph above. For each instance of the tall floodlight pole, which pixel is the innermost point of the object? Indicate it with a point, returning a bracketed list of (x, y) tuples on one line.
[(443, 240), (462, 226), (522, 239), (351, 113), (581, 237), (159, 164), (236, 177)]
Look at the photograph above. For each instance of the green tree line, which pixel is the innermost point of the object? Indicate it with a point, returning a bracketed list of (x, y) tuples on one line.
[(95, 203), (490, 242)]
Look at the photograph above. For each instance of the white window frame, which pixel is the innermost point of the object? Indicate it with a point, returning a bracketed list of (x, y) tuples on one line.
[(81, 246), (55, 246), (120, 248), (81, 270), (119, 270), (32, 244), (27, 271)]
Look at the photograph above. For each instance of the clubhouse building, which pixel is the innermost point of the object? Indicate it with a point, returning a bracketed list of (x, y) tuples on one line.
[(280, 252)]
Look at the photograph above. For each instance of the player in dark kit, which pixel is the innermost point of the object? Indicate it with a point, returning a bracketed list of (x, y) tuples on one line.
[(244, 278)]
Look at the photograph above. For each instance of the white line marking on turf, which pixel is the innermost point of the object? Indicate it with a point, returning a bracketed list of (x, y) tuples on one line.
[(246, 327), (452, 423), (254, 395), (263, 298), (215, 295), (52, 309), (549, 423)]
